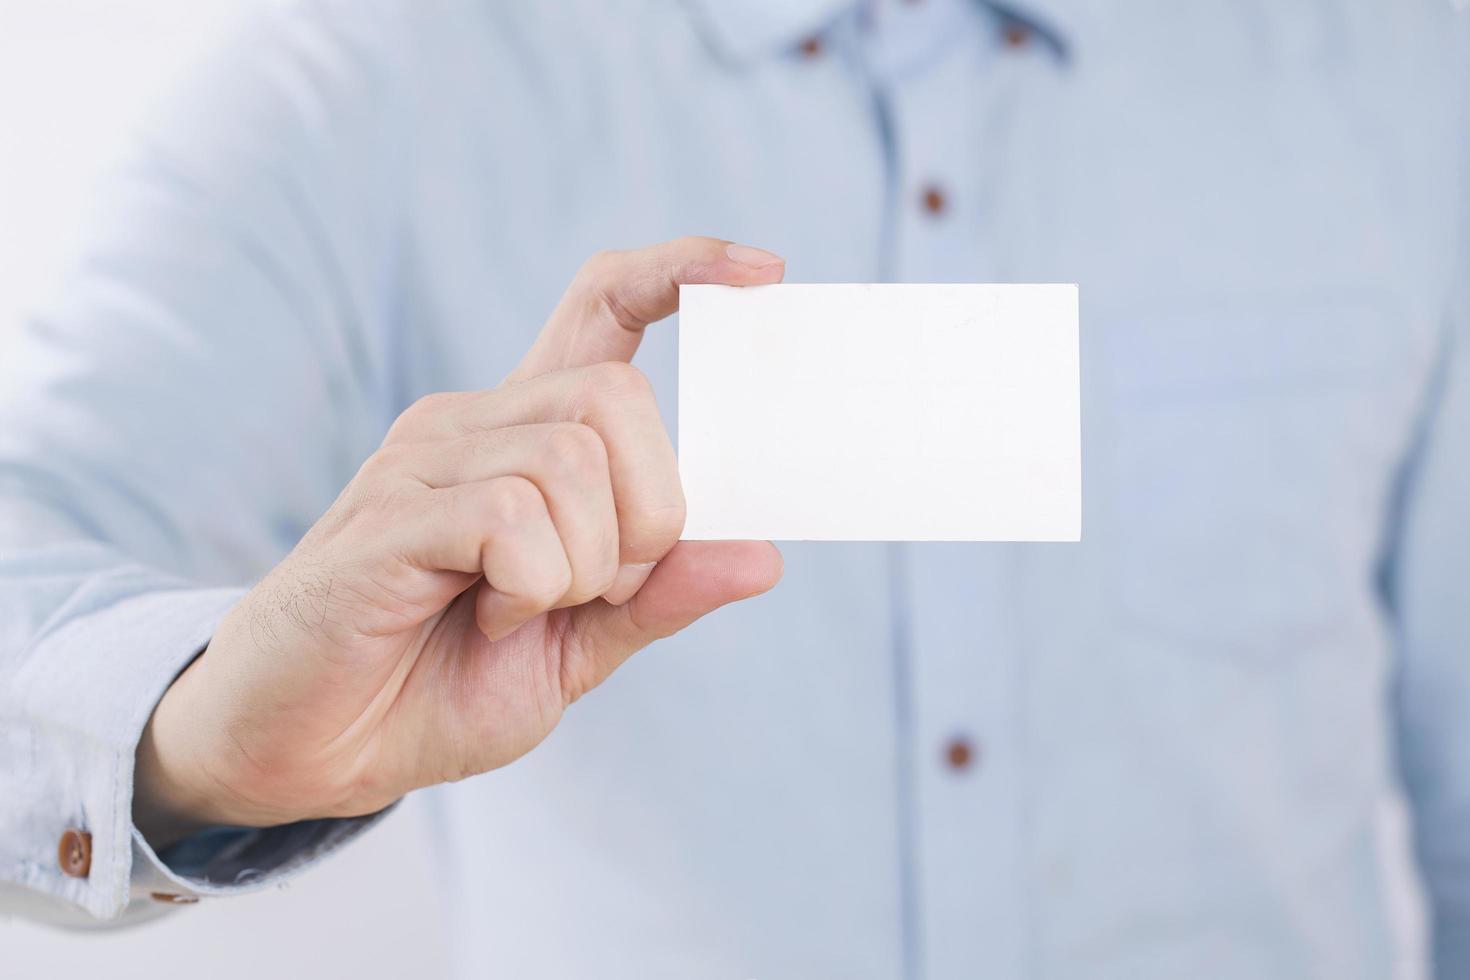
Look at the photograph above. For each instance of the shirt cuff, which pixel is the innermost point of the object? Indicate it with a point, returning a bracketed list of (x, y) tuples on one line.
[(73, 716), (234, 860), (76, 708)]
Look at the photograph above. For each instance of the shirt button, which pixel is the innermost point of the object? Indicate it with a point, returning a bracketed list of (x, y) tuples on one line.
[(1015, 35), (811, 47), (74, 853), (959, 753), (934, 200)]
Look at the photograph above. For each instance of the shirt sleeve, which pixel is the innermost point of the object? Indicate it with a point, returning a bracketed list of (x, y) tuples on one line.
[(209, 376)]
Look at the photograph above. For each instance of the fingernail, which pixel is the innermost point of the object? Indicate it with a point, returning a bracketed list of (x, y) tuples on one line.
[(627, 582), (500, 631), (756, 258)]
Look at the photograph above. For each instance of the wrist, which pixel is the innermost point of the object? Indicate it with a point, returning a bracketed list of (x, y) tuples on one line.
[(167, 806), (191, 772), (178, 786)]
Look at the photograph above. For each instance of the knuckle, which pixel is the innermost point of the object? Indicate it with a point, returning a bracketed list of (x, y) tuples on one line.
[(618, 381), (513, 501), (389, 459), (598, 268), (610, 297), (692, 244), (428, 406), (400, 430), (605, 284), (692, 257), (600, 260), (421, 413), (576, 451)]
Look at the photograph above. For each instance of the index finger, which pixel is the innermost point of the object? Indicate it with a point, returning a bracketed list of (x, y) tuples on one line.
[(616, 294)]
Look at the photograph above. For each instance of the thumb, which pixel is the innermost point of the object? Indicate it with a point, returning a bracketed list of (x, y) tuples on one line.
[(692, 580), (616, 294)]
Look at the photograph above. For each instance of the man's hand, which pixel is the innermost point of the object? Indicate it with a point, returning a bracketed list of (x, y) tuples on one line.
[(495, 559)]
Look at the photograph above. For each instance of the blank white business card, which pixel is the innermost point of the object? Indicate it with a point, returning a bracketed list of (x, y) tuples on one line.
[(880, 412)]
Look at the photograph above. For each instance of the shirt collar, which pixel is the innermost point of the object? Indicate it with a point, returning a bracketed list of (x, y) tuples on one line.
[(743, 30)]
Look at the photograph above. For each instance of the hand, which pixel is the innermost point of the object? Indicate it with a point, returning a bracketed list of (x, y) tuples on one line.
[(494, 560)]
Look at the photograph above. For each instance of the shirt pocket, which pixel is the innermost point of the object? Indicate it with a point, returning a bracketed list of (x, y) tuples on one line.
[(1250, 446)]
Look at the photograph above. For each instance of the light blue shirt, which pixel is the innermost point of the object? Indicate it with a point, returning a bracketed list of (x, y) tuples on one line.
[(1184, 734)]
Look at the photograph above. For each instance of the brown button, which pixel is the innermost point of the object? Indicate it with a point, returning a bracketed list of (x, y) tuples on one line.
[(959, 754), (1016, 35), (74, 853), (170, 898), (934, 200), (811, 47)]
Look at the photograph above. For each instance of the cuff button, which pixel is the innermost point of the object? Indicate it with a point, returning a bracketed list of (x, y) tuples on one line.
[(74, 853), (169, 898)]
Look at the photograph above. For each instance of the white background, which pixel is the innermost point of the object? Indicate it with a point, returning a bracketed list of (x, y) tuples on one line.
[(74, 74)]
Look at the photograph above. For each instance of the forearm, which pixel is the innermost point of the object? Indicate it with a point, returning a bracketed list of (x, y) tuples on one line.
[(151, 437)]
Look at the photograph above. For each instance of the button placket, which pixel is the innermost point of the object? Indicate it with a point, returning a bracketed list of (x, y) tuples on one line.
[(963, 644)]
